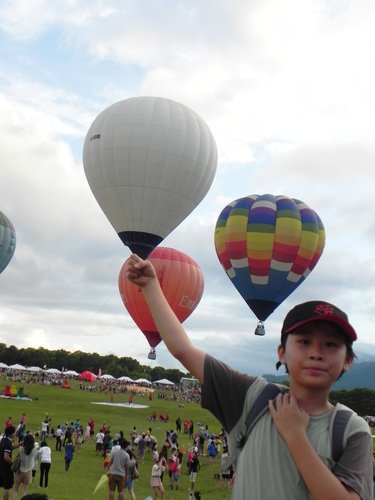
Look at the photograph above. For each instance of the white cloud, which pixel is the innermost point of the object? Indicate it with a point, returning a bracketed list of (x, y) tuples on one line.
[(287, 89)]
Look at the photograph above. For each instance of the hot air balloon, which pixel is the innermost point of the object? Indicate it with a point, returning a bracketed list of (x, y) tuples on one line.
[(149, 162), (181, 281), (268, 245), (7, 241)]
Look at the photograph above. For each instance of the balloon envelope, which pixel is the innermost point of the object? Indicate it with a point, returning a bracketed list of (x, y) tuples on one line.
[(268, 245), (149, 162), (7, 241), (181, 281), (87, 375)]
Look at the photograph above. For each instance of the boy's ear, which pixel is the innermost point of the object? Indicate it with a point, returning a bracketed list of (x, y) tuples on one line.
[(281, 353), (348, 363)]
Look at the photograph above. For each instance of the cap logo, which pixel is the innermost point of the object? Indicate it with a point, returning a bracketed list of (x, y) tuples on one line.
[(324, 309)]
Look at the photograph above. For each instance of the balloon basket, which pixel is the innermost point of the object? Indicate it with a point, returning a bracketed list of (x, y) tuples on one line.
[(259, 330), (152, 354)]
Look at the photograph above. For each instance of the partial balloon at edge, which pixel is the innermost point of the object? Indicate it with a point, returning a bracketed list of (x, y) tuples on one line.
[(268, 245), (181, 281), (7, 241), (149, 162)]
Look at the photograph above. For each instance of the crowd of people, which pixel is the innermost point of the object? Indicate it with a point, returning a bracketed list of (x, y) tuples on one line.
[(121, 454)]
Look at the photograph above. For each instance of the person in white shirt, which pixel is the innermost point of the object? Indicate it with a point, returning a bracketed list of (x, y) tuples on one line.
[(45, 463)]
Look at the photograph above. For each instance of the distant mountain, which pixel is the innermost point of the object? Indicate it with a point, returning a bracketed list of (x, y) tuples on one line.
[(360, 375)]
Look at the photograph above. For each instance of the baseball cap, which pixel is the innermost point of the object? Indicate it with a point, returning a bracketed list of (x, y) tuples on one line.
[(316, 310)]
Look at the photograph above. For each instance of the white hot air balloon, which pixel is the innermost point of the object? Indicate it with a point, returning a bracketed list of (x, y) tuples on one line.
[(149, 162)]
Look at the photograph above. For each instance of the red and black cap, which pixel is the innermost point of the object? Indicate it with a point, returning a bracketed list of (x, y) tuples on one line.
[(316, 310)]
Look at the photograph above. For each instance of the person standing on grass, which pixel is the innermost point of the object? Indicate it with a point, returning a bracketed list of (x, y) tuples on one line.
[(45, 457), (157, 471), (69, 450), (194, 468), (118, 471), (23, 476), (58, 434), (132, 474), (6, 448), (293, 435)]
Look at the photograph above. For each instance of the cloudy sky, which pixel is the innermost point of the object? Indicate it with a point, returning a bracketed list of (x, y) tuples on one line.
[(287, 89)]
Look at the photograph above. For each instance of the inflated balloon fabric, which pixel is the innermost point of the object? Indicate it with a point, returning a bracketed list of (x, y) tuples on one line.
[(268, 245), (149, 162), (7, 241), (181, 281)]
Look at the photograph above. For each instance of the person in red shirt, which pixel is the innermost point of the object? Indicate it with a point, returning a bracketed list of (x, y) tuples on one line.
[(9, 423)]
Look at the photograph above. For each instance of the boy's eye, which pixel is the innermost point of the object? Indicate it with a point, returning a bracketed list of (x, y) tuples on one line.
[(332, 344), (303, 341)]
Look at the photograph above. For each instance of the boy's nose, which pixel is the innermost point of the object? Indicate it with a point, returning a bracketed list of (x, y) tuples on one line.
[(316, 352)]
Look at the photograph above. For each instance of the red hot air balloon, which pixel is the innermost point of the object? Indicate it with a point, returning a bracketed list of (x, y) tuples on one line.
[(268, 245), (181, 281)]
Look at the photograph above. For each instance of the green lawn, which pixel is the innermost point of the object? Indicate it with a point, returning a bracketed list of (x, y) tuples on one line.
[(86, 469)]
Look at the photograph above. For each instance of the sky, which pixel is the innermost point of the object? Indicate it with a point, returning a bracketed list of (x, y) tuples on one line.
[(287, 89)]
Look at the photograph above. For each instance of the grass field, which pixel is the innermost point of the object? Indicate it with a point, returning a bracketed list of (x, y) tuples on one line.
[(87, 468)]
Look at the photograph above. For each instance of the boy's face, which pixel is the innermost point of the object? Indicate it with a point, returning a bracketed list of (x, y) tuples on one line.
[(315, 354)]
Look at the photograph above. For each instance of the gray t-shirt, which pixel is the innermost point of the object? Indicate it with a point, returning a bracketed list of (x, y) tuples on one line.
[(265, 468), (119, 462)]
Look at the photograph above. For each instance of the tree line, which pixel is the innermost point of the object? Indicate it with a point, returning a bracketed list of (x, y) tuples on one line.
[(80, 361)]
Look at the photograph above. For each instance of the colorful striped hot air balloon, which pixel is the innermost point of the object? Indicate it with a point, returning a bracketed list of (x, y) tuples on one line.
[(181, 281), (7, 241), (268, 245)]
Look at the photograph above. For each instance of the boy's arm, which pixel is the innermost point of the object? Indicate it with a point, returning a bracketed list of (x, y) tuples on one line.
[(291, 422), (141, 273)]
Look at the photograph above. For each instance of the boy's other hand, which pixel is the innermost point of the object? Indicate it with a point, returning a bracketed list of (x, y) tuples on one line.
[(289, 418)]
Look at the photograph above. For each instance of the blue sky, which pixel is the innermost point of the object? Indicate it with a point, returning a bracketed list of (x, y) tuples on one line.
[(287, 91)]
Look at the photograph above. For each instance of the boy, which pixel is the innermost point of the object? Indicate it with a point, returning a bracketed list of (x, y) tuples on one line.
[(288, 454)]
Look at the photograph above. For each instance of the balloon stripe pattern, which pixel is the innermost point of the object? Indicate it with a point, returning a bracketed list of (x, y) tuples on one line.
[(181, 281), (7, 241), (149, 162), (268, 245)]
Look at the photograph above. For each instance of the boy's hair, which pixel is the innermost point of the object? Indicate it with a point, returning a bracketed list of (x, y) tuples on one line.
[(318, 312)]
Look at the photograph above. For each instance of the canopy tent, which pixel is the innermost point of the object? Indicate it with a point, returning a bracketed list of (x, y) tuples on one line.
[(52, 370), (33, 369), (16, 367), (89, 376), (142, 381), (71, 373), (124, 378), (3, 365), (107, 376), (163, 381)]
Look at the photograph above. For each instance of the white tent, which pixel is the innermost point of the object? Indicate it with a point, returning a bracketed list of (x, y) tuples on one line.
[(17, 367), (163, 381), (33, 369), (124, 378), (52, 370), (142, 381), (3, 365), (107, 376), (71, 373)]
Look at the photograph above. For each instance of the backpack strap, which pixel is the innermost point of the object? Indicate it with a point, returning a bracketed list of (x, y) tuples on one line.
[(270, 391), (338, 424), (260, 406)]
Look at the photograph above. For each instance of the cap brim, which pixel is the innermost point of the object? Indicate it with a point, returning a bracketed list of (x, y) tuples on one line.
[(344, 325)]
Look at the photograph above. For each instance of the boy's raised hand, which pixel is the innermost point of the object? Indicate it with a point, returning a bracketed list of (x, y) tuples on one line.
[(139, 271)]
